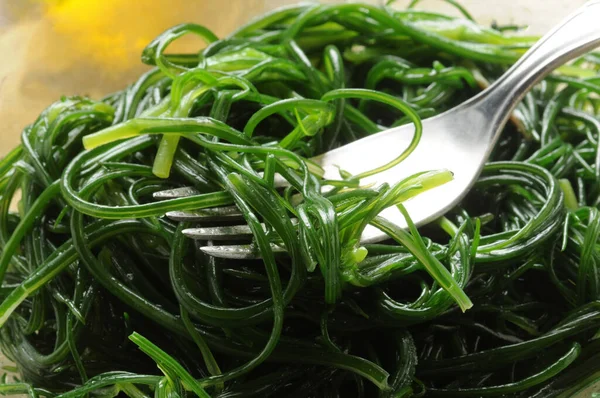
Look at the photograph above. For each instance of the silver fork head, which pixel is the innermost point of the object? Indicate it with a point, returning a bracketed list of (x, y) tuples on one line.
[(457, 141)]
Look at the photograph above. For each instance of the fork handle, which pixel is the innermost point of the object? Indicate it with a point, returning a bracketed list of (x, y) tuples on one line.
[(576, 35)]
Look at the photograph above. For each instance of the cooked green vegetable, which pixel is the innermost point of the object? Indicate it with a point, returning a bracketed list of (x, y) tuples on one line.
[(102, 295)]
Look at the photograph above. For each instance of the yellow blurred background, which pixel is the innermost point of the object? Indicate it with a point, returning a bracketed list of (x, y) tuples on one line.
[(51, 48), (88, 47)]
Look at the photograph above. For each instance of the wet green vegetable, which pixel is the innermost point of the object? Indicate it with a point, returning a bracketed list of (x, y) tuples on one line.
[(102, 295)]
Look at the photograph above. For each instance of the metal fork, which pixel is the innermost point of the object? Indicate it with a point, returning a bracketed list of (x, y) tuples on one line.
[(459, 140)]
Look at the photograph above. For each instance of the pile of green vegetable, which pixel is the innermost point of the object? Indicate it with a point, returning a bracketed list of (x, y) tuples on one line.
[(102, 295)]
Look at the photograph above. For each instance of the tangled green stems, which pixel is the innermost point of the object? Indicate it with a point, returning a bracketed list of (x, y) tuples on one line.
[(102, 294)]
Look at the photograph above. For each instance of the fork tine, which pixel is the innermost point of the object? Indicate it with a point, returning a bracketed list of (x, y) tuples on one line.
[(225, 213), (230, 232), (182, 192), (219, 233), (175, 193), (213, 214), (238, 252)]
